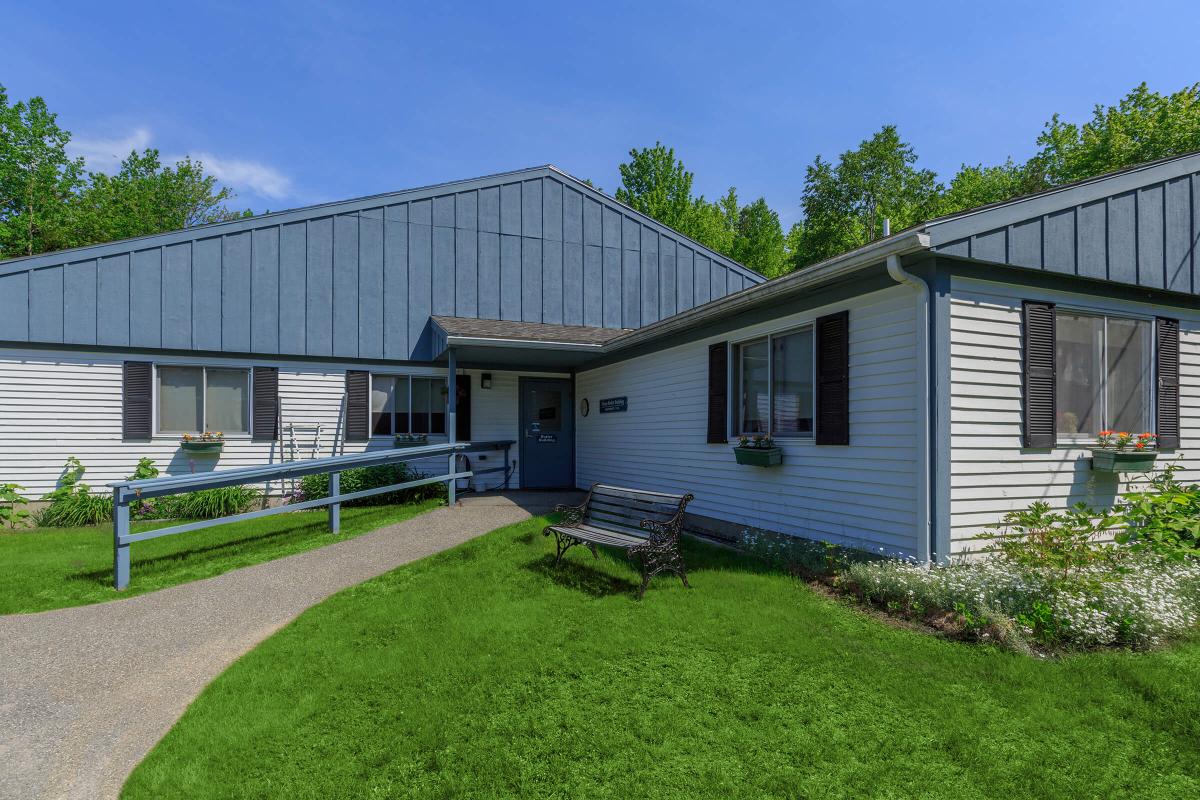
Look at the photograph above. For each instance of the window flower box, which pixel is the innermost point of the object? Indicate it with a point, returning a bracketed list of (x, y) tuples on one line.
[(411, 440), (757, 452), (1124, 452), (207, 442)]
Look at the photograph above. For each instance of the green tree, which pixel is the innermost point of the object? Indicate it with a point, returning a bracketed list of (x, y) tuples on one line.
[(38, 180), (759, 242), (845, 204), (975, 186), (656, 183), (145, 197)]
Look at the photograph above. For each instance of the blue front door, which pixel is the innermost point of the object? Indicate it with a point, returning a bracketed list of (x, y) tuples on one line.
[(547, 434)]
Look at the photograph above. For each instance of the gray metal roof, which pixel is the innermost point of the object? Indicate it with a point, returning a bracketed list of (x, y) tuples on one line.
[(361, 278)]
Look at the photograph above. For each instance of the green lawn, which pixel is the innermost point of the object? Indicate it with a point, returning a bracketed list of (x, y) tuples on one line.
[(47, 568), (481, 672)]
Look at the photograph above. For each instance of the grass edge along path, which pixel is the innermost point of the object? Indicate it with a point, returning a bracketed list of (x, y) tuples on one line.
[(49, 568), (484, 672)]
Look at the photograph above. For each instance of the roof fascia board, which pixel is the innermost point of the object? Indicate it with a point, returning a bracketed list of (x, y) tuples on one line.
[(989, 219)]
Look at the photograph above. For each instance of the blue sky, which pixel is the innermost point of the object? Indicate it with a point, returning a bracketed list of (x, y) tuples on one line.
[(302, 102)]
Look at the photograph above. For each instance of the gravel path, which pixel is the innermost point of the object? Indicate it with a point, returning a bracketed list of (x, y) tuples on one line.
[(86, 692)]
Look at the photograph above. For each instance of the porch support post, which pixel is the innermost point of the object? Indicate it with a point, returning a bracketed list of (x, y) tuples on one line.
[(451, 420)]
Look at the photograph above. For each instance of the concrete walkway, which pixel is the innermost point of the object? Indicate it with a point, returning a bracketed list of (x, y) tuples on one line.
[(86, 692)]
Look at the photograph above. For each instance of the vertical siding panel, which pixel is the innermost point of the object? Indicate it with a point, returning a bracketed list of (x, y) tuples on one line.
[(510, 277), (420, 275), (264, 291), (443, 271), (293, 287), (145, 298), (1059, 247), (1122, 238), (593, 222), (611, 295), (1151, 266), (631, 233), (685, 284), (552, 282), (46, 304), (649, 276), (466, 273), (612, 228), (552, 210), (1195, 235), (112, 295), (395, 282), (716, 286), (79, 303), (443, 211), (572, 283), (1178, 235), (667, 278), (593, 286), (572, 216), (206, 294), (235, 292), (510, 209), (489, 209), (489, 275), (1093, 235), (531, 208), (466, 214), (1025, 243), (14, 307), (703, 271), (345, 285), (990, 246), (531, 277), (420, 212), (318, 328), (370, 283), (177, 296), (631, 307)]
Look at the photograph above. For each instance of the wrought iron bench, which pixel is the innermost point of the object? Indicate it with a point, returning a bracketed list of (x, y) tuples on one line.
[(644, 524)]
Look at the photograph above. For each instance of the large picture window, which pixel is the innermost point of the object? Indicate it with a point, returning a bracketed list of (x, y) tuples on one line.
[(407, 404), (773, 379), (196, 399), (1104, 367)]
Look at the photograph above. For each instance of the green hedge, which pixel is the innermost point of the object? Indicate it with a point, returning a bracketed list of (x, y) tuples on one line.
[(362, 478)]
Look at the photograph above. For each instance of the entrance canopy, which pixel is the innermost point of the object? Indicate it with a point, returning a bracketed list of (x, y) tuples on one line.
[(528, 345)]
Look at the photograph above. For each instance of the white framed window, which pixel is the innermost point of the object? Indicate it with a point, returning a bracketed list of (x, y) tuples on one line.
[(1105, 369), (193, 399), (774, 384), (407, 404)]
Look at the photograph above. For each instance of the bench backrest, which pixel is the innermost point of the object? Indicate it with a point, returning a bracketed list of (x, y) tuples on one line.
[(616, 508)]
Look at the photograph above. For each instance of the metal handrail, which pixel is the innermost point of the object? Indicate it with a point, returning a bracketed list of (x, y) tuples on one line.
[(126, 492)]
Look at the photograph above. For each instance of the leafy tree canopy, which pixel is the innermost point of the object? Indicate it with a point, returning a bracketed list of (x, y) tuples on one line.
[(49, 202)]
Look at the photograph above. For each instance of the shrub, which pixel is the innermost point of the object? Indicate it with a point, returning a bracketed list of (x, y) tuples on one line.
[(10, 501), (207, 503), (144, 509), (72, 504), (1165, 518), (1065, 541), (363, 478)]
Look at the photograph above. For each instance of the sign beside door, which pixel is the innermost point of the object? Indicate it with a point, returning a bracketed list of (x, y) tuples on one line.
[(610, 405)]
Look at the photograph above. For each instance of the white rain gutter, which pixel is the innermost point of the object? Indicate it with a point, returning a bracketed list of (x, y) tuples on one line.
[(924, 465)]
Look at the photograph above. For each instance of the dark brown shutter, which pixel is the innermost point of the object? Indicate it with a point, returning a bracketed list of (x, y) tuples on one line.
[(833, 379), (266, 404), (462, 410), (718, 393), (1167, 369), (358, 406), (137, 418), (1039, 404)]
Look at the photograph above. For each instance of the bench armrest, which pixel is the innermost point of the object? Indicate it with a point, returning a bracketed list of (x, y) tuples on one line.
[(571, 515), (661, 532)]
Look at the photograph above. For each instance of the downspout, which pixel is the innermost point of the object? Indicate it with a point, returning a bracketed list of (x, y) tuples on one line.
[(925, 531)]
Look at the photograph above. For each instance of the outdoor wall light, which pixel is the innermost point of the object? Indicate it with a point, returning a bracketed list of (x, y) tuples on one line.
[(485, 380)]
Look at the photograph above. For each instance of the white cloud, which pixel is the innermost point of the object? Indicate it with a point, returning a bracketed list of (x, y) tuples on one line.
[(105, 155), (251, 176)]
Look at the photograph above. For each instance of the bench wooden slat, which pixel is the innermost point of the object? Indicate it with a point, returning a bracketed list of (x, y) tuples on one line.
[(633, 494)]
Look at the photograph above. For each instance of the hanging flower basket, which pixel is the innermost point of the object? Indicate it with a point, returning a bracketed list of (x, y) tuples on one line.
[(758, 452), (207, 442), (1124, 452), (411, 440)]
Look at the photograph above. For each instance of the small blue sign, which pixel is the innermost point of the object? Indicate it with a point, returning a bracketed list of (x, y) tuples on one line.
[(611, 405)]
